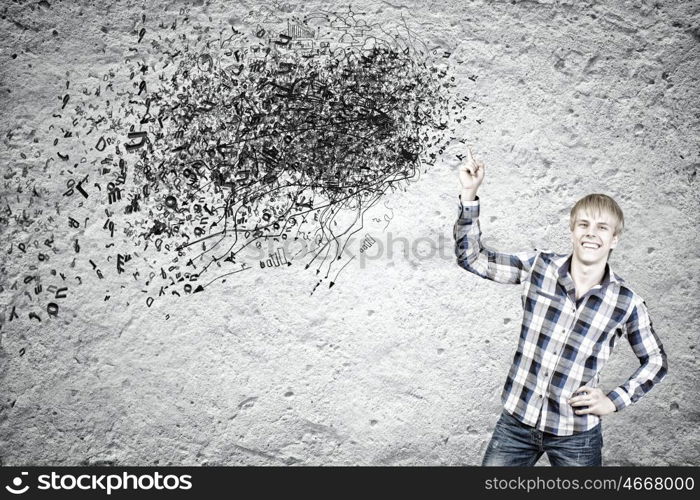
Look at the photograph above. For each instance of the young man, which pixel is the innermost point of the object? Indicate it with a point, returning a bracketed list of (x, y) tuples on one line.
[(574, 310)]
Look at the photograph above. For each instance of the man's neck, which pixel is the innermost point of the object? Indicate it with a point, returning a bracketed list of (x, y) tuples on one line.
[(586, 276)]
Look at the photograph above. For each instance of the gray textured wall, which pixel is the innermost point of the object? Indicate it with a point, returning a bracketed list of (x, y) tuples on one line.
[(403, 361)]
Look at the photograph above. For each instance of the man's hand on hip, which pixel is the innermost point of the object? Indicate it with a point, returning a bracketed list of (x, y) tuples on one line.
[(595, 399)]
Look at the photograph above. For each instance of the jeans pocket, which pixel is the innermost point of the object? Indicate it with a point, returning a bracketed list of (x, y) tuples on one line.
[(599, 435), (592, 438), (510, 420)]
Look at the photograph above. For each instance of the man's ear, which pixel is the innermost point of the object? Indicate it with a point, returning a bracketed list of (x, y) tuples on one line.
[(615, 241)]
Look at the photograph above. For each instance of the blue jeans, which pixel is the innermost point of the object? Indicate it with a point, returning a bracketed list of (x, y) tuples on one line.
[(515, 444)]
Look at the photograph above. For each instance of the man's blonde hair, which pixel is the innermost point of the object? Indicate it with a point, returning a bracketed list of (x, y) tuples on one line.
[(596, 204)]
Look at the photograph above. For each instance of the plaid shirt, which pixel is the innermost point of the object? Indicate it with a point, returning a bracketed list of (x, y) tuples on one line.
[(564, 343)]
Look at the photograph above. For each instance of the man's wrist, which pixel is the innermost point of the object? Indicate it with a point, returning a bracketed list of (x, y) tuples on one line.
[(611, 405), (467, 195)]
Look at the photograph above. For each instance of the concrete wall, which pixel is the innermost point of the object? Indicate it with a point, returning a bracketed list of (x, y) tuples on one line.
[(403, 360)]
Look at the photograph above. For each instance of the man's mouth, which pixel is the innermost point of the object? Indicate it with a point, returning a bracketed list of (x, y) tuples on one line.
[(591, 245)]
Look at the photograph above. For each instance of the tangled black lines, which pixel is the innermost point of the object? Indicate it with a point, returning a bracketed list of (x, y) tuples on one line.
[(280, 134)]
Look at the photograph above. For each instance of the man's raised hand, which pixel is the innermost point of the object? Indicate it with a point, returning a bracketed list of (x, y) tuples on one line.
[(471, 173)]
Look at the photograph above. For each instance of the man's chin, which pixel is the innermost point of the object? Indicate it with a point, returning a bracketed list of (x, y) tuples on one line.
[(590, 260)]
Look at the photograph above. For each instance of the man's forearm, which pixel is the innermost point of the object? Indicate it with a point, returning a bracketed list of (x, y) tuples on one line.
[(652, 357), (649, 374)]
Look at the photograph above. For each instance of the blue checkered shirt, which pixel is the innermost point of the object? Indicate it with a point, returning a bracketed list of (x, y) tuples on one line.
[(564, 342)]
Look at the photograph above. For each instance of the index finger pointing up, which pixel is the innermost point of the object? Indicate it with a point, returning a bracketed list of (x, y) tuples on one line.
[(470, 158)]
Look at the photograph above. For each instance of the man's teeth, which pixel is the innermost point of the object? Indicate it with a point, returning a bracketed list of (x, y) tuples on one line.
[(591, 245)]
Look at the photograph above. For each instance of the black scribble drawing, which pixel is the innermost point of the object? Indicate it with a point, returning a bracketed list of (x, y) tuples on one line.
[(203, 155)]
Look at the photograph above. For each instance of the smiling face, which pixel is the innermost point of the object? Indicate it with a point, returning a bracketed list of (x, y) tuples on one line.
[(593, 236), (596, 222)]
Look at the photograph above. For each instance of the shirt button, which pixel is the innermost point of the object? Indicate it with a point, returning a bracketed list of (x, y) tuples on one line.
[(540, 396), (546, 374)]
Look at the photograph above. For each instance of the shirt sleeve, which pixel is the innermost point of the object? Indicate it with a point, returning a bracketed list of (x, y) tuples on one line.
[(652, 358), (475, 257)]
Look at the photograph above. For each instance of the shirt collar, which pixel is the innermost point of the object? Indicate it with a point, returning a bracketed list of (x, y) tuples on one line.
[(563, 267)]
